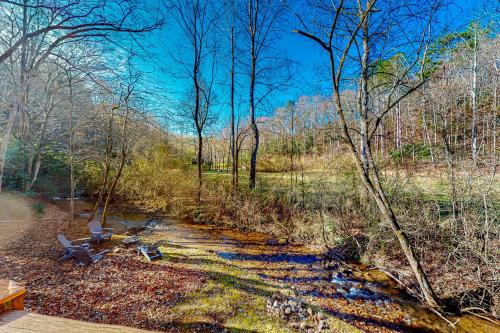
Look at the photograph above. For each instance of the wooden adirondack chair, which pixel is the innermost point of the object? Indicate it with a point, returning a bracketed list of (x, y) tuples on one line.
[(98, 233), (151, 252), (85, 257), (70, 247), (131, 240)]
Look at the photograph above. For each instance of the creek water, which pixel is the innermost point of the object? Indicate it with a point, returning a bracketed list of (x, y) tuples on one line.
[(364, 297)]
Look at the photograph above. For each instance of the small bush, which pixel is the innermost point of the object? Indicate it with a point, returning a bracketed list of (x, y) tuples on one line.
[(419, 150), (39, 207)]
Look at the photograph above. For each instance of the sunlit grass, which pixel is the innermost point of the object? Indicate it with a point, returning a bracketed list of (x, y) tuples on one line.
[(232, 297)]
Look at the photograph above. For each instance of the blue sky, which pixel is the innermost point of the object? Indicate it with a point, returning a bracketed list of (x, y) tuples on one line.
[(162, 88)]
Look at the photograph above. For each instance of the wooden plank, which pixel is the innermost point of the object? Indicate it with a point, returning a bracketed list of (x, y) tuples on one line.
[(26, 322), (11, 296)]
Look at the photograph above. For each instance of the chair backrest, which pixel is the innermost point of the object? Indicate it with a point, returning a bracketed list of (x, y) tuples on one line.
[(159, 243), (95, 226), (63, 240), (83, 256)]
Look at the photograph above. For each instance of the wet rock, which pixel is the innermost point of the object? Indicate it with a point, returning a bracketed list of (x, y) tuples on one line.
[(338, 278), (341, 290), (297, 314), (359, 293)]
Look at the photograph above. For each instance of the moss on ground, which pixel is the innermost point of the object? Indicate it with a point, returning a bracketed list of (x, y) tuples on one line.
[(232, 297)]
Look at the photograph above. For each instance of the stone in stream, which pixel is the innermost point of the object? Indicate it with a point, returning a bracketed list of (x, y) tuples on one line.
[(338, 278), (341, 290), (359, 293)]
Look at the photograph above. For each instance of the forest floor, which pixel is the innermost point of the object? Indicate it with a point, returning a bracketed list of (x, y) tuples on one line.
[(210, 280), (124, 289)]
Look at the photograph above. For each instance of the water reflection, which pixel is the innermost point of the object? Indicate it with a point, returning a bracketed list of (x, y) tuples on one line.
[(302, 259)]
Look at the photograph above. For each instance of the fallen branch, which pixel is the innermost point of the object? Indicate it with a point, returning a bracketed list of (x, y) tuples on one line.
[(491, 320), (444, 318)]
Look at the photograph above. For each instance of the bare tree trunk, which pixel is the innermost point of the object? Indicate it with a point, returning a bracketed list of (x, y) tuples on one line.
[(234, 167), (33, 173), (123, 153), (111, 192), (253, 62), (473, 93), (71, 153), (426, 130), (107, 163), (363, 159), (199, 165)]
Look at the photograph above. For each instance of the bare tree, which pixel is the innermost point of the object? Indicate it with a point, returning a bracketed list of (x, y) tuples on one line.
[(197, 19), (36, 29), (231, 27), (124, 147), (346, 30), (261, 19)]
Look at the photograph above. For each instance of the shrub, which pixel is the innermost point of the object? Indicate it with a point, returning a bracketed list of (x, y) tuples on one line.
[(39, 207), (419, 150)]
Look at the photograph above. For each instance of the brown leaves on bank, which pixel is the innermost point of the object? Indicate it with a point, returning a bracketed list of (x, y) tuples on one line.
[(121, 289)]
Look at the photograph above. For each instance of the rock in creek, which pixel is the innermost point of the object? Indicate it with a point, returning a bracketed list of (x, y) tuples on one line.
[(297, 313)]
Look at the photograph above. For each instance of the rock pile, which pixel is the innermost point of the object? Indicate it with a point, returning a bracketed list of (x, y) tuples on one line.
[(297, 313)]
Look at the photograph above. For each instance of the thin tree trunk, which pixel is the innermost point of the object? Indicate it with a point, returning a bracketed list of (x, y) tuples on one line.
[(253, 61), (123, 153), (234, 167), (107, 163), (71, 152), (474, 98), (199, 164)]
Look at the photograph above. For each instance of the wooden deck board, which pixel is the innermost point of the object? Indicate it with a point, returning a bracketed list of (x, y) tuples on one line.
[(22, 321)]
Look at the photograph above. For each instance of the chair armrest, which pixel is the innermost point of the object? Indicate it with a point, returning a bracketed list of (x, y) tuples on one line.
[(103, 252), (81, 240), (75, 247), (109, 229)]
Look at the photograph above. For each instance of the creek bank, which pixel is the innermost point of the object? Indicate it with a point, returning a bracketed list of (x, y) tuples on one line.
[(367, 299)]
